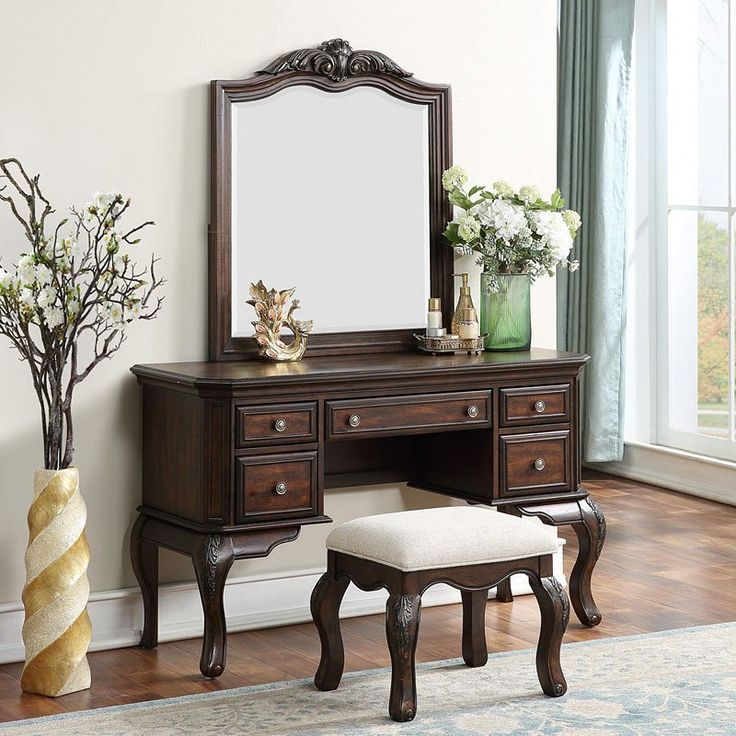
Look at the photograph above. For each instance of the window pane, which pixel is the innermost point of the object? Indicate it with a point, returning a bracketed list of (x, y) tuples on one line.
[(697, 100), (699, 317)]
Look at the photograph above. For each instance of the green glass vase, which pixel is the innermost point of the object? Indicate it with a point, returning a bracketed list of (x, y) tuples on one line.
[(505, 314)]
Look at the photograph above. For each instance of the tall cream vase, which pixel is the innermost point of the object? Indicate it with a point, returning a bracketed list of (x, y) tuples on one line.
[(57, 629)]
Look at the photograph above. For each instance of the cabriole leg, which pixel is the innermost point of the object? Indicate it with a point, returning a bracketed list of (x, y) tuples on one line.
[(212, 561), (325, 604), (402, 627), (144, 557)]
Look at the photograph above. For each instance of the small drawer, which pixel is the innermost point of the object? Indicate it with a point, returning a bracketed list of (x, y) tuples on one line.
[(408, 414), (275, 424), (535, 463), (272, 486), (535, 404)]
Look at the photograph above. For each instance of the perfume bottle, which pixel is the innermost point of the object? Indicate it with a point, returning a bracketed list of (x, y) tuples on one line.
[(468, 328), (434, 318), (464, 302)]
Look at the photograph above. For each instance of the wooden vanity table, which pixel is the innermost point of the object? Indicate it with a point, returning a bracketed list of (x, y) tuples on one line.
[(238, 451), (237, 455)]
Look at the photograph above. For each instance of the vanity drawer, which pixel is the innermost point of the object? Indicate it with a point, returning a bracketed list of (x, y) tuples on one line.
[(535, 404), (408, 414), (275, 424), (535, 463), (271, 486)]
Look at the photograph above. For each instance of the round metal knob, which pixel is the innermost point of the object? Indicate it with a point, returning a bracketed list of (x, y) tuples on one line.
[(539, 406), (281, 488), (354, 420), (279, 425), (473, 411), (539, 463)]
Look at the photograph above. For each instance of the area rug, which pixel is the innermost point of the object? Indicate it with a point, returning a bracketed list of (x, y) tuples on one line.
[(675, 682)]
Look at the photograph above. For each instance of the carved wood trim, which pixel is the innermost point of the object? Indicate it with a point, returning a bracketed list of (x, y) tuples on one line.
[(336, 60)]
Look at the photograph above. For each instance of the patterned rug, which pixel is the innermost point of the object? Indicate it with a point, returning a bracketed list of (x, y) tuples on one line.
[(679, 682)]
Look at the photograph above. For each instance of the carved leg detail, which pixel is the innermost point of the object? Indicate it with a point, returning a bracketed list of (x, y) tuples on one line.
[(591, 534), (144, 556), (402, 627), (212, 560), (555, 609), (325, 604), (503, 592), (475, 651)]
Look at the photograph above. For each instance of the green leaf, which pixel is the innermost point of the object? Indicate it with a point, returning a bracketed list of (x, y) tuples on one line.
[(451, 234), (459, 199), (474, 190)]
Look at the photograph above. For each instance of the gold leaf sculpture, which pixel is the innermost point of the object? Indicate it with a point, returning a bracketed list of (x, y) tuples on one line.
[(57, 628), (273, 316)]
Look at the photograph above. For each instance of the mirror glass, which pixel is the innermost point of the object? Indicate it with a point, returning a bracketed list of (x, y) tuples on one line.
[(331, 196)]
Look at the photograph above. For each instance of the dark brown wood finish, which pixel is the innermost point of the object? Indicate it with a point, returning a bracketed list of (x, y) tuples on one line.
[(403, 611), (333, 67), (276, 424), (214, 470), (535, 404), (409, 415)]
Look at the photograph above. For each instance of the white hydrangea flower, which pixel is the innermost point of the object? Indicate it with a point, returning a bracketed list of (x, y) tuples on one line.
[(468, 228), (551, 227), (454, 178), (572, 220), (529, 194), (503, 188), (53, 316), (26, 270), (46, 297), (508, 220), (43, 274)]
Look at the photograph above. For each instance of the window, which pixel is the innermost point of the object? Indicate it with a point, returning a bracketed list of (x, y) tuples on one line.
[(694, 200)]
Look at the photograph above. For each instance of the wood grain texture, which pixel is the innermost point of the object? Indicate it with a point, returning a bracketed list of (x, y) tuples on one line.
[(537, 404), (276, 424), (672, 555)]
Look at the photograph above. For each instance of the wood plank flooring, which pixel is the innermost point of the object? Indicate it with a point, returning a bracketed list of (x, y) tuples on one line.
[(669, 562)]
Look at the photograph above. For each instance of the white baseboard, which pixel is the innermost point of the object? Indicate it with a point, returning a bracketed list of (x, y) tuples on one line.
[(676, 470), (253, 602)]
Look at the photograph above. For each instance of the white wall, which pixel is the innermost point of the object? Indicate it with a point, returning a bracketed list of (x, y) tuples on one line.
[(114, 95)]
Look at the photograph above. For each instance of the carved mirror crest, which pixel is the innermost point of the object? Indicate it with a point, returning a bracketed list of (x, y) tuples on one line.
[(338, 195)]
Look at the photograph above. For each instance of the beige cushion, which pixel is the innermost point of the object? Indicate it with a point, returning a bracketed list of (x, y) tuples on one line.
[(444, 537)]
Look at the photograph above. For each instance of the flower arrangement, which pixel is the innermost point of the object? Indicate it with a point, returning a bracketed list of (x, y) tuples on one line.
[(513, 232), (75, 290)]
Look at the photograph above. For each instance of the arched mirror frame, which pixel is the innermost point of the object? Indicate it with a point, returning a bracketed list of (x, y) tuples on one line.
[(332, 67)]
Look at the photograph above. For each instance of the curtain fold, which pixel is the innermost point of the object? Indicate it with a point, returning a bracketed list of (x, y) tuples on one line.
[(592, 153)]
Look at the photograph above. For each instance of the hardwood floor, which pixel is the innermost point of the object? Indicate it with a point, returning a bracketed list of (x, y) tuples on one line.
[(669, 562)]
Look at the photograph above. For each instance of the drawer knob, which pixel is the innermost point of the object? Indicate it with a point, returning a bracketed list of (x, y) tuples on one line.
[(473, 411), (354, 420), (539, 464), (281, 488), (539, 406), (279, 425)]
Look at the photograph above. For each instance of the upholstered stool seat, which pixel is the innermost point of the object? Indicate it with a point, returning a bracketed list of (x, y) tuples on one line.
[(446, 537), (473, 549)]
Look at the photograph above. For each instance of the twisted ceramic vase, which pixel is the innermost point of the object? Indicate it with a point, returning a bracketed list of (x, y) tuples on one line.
[(57, 629)]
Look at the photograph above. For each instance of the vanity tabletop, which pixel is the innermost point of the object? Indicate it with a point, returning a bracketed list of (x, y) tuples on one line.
[(264, 372)]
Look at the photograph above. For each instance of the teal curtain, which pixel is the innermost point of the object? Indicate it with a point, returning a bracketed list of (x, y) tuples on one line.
[(593, 112)]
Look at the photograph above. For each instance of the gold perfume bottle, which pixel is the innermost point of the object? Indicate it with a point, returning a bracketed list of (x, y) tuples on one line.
[(464, 302)]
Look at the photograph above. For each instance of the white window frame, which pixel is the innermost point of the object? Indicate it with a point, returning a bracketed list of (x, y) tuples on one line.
[(650, 176)]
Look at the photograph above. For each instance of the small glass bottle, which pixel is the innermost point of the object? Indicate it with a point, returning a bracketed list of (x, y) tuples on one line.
[(434, 318), (468, 327)]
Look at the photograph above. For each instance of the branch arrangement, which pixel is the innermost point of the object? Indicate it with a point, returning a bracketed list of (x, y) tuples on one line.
[(66, 303)]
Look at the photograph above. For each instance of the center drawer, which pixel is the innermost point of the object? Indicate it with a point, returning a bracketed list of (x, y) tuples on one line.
[(397, 415)]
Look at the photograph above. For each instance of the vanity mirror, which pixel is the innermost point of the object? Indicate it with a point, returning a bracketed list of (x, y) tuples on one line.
[(339, 195)]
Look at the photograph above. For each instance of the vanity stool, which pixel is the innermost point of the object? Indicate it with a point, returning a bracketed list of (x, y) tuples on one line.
[(471, 548)]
